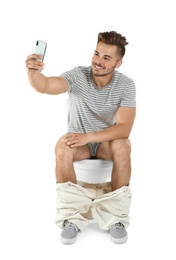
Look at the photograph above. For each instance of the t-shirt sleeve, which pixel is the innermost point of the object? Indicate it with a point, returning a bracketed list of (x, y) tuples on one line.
[(70, 76), (129, 94)]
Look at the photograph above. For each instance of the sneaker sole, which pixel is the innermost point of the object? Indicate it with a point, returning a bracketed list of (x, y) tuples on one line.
[(119, 240), (68, 241)]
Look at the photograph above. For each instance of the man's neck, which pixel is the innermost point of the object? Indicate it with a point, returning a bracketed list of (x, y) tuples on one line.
[(101, 81)]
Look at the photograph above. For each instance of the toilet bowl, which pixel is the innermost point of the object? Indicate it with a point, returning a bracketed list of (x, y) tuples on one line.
[(93, 170)]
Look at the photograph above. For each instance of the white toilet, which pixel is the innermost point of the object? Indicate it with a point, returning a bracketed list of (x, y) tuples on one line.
[(93, 170)]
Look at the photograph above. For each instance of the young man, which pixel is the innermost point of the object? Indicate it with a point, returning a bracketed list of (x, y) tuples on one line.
[(102, 112)]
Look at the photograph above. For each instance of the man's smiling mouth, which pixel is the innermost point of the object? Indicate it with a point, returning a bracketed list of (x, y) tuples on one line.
[(98, 67)]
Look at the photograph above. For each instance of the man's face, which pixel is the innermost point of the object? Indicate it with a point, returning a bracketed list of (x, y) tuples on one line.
[(105, 60)]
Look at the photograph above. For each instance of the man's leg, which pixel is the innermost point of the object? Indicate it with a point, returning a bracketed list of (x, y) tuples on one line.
[(72, 205), (65, 156), (115, 209), (118, 151)]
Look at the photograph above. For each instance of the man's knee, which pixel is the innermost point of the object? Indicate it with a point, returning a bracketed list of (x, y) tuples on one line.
[(120, 148), (62, 150)]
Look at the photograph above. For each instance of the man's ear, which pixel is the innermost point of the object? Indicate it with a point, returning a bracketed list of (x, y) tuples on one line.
[(119, 63)]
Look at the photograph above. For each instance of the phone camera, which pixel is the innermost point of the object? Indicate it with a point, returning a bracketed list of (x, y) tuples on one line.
[(37, 43)]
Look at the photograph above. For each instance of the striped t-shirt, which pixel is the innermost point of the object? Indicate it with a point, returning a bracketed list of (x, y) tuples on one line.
[(93, 109)]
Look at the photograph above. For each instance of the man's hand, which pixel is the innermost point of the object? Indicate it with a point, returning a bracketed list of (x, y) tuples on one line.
[(76, 139), (33, 63)]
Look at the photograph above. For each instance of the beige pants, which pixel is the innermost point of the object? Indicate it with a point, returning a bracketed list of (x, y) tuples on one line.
[(82, 202)]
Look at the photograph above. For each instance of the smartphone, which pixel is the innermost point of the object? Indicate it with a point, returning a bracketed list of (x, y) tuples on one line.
[(40, 49)]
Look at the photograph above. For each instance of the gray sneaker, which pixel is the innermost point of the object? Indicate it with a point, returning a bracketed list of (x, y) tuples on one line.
[(69, 233), (118, 233)]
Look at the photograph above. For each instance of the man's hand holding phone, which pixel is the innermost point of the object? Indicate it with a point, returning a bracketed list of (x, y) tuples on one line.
[(35, 61)]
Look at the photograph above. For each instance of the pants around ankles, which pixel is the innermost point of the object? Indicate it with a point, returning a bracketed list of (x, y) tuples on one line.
[(79, 203)]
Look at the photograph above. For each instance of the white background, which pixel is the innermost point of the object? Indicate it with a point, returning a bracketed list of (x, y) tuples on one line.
[(31, 123)]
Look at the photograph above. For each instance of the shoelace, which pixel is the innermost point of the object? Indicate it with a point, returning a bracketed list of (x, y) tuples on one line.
[(69, 225), (118, 225)]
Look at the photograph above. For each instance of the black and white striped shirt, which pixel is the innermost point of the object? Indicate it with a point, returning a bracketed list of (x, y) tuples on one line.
[(93, 109)]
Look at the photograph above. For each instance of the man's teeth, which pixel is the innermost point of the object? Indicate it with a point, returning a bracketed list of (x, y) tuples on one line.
[(98, 67)]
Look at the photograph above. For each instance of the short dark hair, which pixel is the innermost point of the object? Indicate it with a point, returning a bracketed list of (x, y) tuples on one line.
[(114, 38)]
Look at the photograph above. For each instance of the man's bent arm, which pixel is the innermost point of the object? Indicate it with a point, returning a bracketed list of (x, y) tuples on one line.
[(125, 118)]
